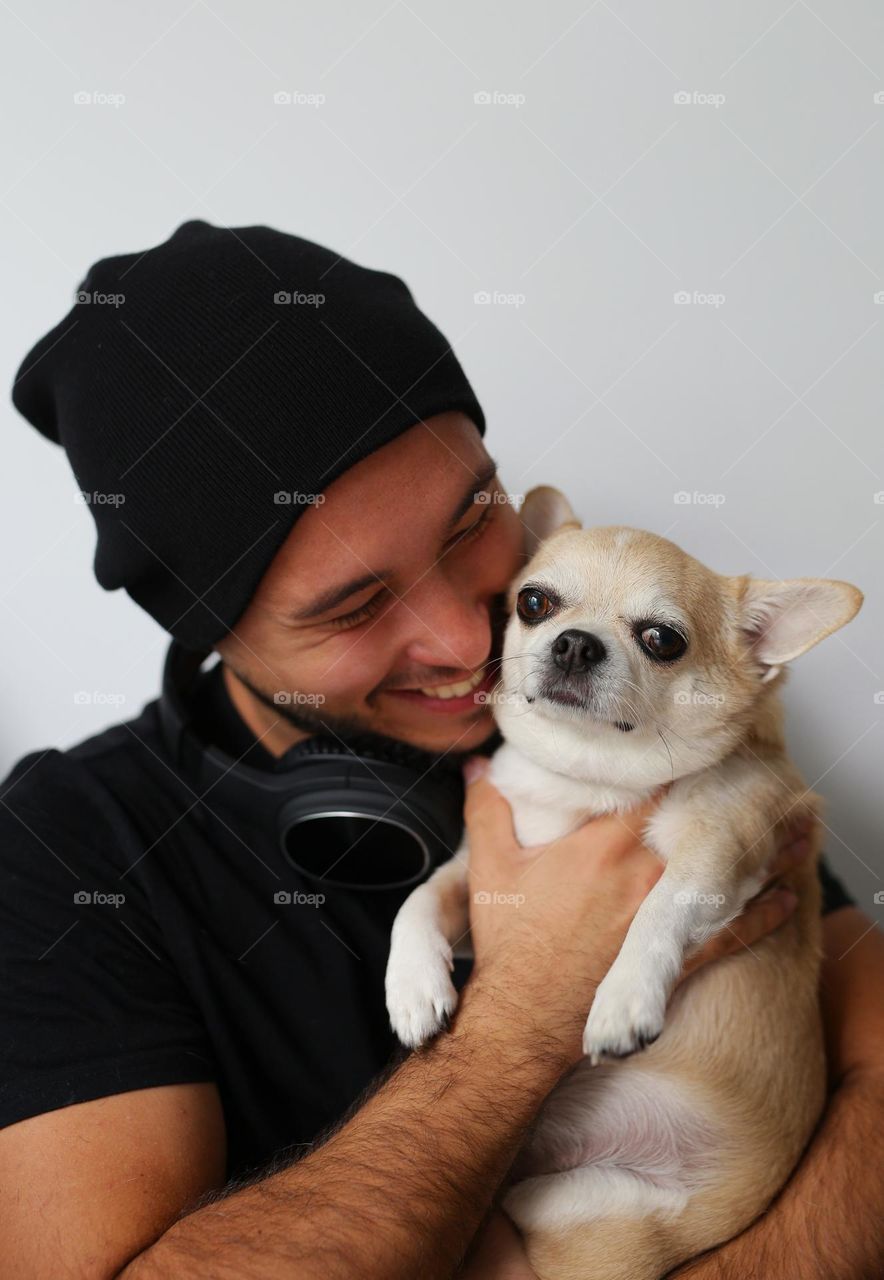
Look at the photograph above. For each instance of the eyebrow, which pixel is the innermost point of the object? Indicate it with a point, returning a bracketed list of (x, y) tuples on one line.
[(337, 595)]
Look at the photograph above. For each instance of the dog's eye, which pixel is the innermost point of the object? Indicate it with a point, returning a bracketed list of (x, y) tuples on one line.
[(532, 605), (663, 643)]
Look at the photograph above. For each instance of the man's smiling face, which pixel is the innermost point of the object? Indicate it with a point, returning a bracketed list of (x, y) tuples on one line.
[(391, 586)]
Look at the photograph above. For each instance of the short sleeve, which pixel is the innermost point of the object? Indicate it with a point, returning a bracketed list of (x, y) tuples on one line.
[(834, 893), (90, 1003)]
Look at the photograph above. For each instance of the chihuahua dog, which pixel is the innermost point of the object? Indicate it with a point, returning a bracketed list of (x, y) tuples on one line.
[(627, 665)]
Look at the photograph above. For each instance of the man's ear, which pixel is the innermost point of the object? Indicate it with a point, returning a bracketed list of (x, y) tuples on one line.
[(544, 512), (784, 619)]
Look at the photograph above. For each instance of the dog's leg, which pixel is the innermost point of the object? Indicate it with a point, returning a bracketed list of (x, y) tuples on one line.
[(630, 1004), (420, 993), (563, 1201), (716, 837)]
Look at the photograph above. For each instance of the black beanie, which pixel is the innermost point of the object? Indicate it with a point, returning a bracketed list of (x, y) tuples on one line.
[(206, 389)]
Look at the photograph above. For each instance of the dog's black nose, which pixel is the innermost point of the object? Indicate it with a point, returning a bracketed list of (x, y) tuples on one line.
[(576, 651)]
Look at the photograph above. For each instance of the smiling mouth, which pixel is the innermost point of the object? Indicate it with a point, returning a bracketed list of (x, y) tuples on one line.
[(456, 690), (469, 695)]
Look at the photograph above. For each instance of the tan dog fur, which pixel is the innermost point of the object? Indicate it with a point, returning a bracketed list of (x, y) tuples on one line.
[(640, 1163)]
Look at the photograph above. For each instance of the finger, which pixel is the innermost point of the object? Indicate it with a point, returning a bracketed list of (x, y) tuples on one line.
[(787, 857), (762, 916), (803, 825), (488, 817)]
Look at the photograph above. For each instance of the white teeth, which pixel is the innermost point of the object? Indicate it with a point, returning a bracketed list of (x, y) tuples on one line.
[(456, 690)]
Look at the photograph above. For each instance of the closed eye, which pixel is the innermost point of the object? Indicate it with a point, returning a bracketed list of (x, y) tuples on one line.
[(477, 527), (373, 605), (363, 613)]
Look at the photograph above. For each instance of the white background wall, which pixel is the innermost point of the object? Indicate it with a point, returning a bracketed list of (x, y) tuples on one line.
[(586, 193)]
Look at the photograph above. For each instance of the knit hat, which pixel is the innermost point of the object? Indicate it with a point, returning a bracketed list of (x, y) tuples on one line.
[(206, 390)]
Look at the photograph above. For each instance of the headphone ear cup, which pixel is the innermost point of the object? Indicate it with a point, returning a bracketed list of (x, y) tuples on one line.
[(357, 850), (370, 812), (361, 823)]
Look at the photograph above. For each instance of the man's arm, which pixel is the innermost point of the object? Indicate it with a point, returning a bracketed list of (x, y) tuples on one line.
[(401, 1188), (398, 1191), (827, 1224), (84, 1188)]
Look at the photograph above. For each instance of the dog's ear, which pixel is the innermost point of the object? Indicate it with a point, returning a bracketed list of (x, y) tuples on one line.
[(784, 619), (544, 512)]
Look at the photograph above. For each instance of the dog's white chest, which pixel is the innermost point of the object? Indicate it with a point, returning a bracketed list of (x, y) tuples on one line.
[(548, 805)]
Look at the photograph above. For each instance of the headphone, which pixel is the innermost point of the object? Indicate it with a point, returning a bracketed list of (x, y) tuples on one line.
[(369, 814)]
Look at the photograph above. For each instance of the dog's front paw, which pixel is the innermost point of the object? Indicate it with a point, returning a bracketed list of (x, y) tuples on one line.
[(420, 994), (624, 1018)]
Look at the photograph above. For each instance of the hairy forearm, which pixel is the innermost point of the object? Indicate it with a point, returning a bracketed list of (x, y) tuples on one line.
[(826, 1224), (400, 1189)]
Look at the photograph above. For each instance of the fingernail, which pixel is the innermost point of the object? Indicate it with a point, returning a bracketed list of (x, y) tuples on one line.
[(788, 897), (473, 768)]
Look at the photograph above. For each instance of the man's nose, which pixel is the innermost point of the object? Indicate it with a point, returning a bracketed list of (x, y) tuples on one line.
[(575, 652), (451, 633)]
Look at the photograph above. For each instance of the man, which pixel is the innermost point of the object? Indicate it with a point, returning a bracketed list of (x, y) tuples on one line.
[(196, 1077)]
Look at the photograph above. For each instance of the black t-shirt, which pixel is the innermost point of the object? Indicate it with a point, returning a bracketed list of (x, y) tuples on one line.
[(141, 944)]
